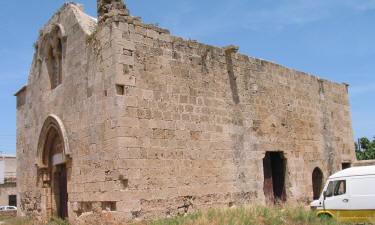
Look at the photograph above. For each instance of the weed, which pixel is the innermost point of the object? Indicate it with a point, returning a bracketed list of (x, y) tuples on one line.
[(57, 221)]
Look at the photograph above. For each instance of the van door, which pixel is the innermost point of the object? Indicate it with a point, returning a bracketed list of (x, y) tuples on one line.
[(362, 198), (337, 199)]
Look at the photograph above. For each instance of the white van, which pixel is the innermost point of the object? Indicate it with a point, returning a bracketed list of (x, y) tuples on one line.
[(349, 195)]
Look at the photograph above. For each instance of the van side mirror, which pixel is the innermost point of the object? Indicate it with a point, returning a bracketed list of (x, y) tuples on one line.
[(324, 194)]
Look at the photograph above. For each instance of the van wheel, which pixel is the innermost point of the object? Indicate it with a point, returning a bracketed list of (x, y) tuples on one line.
[(324, 215)]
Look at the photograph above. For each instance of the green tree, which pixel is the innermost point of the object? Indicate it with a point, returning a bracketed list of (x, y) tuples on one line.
[(365, 149)]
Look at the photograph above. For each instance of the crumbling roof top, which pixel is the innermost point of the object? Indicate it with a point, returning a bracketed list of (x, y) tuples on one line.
[(86, 22)]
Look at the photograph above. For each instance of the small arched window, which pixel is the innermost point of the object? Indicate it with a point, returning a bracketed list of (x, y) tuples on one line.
[(317, 182), (53, 45), (55, 63)]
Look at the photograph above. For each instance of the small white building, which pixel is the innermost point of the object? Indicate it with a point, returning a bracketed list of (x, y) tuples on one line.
[(8, 187)]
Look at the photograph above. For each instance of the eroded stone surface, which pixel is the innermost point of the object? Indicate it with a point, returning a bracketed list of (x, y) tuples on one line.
[(160, 126)]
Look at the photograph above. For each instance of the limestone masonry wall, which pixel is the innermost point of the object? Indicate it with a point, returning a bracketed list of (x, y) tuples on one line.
[(157, 125)]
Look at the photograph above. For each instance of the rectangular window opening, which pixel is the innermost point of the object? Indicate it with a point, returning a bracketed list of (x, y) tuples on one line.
[(120, 89), (12, 200), (345, 165)]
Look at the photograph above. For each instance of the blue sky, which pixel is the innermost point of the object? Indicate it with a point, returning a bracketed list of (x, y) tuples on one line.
[(333, 39)]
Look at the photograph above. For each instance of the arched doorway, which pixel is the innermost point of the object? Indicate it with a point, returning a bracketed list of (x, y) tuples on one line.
[(52, 168), (317, 182)]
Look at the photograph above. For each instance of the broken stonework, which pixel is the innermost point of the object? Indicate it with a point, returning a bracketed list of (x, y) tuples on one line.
[(121, 121), (111, 9)]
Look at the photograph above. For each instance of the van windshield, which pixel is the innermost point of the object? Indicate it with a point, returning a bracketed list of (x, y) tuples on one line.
[(329, 191)]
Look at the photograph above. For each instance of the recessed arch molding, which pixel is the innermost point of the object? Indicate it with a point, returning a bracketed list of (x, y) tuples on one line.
[(55, 124)]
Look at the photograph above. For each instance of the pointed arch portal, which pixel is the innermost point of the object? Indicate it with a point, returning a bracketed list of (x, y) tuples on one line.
[(52, 167)]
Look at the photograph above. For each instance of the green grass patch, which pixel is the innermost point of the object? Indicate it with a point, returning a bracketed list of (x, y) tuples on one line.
[(249, 215)]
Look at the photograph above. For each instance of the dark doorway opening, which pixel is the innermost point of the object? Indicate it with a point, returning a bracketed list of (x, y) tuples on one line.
[(60, 191), (12, 200), (274, 166), (317, 182), (345, 165)]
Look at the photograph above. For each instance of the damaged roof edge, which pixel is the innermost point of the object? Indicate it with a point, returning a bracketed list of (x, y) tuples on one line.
[(85, 21), (20, 90)]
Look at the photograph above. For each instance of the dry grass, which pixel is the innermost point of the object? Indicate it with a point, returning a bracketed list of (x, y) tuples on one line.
[(30, 221), (246, 215), (257, 215)]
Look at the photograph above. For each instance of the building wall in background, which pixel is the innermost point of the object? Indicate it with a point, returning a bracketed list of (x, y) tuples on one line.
[(8, 166)]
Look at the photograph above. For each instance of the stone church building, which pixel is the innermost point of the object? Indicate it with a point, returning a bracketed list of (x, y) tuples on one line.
[(122, 120)]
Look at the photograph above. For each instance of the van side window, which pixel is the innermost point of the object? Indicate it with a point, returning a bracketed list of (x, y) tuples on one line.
[(340, 187), (329, 192)]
